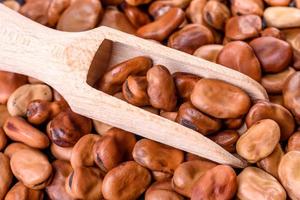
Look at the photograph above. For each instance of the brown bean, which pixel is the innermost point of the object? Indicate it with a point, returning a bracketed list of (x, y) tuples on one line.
[(288, 173), (195, 11), (266, 110), (190, 38), (15, 147), (136, 177), (209, 52), (220, 99), (137, 2), (32, 168), (85, 183), (216, 14), (9, 82), (292, 37), (259, 141), (115, 19), (274, 83), (156, 156), (21, 97), (270, 164), (112, 2), (278, 2), (4, 114), (67, 128), (277, 99), (36, 10), (233, 123), (274, 54), (226, 139), (218, 183), (162, 190), (20, 191), (3, 139), (80, 16), (158, 8), (55, 10), (61, 153), (169, 115), (112, 80), (244, 7), (161, 176), (19, 130), (294, 142), (192, 118), (254, 183), (161, 88), (135, 90), (82, 151), (185, 83), (135, 15), (187, 174), (291, 95), (243, 27), (12, 4), (272, 32), (162, 27), (56, 189), (240, 56), (101, 127), (6, 175)]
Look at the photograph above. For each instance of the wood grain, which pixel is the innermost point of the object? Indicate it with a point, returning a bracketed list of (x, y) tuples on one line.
[(63, 61)]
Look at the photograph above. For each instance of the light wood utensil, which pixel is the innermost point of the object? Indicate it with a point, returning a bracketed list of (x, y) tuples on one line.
[(71, 62)]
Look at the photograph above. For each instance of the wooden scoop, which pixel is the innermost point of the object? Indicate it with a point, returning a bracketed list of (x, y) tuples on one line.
[(71, 62)]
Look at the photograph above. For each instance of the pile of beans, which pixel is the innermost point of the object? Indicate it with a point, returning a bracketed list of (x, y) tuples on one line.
[(49, 152)]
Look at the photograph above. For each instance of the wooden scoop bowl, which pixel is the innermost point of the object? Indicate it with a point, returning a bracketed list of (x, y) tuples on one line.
[(71, 62)]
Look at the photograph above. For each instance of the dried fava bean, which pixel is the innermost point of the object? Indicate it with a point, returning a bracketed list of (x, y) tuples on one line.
[(12, 4), (55, 10), (112, 80), (274, 54), (161, 88), (216, 14), (259, 141), (6, 175), (233, 123), (292, 37), (220, 99), (135, 90), (3, 139), (36, 10), (219, 182), (190, 38), (282, 17), (151, 109), (15, 147), (3, 114), (254, 183), (19, 130), (169, 115), (240, 56), (226, 139), (80, 16), (291, 95), (39, 111), (192, 118), (294, 142), (288, 173), (161, 176), (126, 181), (272, 32), (162, 190), (9, 82), (56, 189), (195, 11), (278, 2), (277, 99), (82, 151), (137, 2), (67, 128), (185, 83), (208, 52), (187, 173), (163, 26), (243, 27), (101, 127), (32, 168), (274, 83), (270, 164), (20, 191), (111, 2), (113, 18), (125, 140), (61, 153), (85, 183), (21, 97), (244, 7), (158, 8), (106, 153), (135, 15), (156, 156), (266, 110)]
